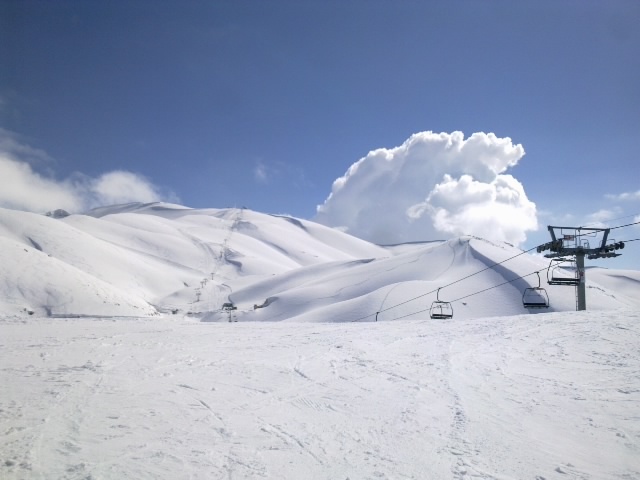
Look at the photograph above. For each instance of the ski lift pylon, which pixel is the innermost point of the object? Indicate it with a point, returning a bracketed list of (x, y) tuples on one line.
[(440, 310), (535, 297)]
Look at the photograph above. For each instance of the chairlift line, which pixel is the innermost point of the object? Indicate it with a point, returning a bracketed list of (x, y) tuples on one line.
[(533, 297), (462, 298), (375, 314)]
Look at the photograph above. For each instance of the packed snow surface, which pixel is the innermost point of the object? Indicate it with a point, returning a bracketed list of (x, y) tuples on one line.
[(118, 359), (553, 396)]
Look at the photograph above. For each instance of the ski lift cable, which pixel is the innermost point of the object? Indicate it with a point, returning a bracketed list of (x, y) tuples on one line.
[(495, 286), (410, 300), (611, 220), (414, 313), (491, 266), (471, 275), (627, 225), (439, 288), (471, 294), (459, 280), (613, 228)]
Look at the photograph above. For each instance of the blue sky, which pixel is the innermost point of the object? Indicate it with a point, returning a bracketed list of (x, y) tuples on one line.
[(265, 104)]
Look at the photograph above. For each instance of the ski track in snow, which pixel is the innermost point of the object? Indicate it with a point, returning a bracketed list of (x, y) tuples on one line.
[(552, 396)]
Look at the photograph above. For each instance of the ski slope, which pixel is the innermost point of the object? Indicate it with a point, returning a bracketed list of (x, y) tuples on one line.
[(553, 396), (118, 362), (152, 259)]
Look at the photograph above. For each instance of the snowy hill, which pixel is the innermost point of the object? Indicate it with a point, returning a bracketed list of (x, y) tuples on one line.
[(154, 383), (147, 259)]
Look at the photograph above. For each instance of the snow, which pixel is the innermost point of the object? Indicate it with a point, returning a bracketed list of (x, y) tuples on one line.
[(149, 259), (118, 361), (553, 396)]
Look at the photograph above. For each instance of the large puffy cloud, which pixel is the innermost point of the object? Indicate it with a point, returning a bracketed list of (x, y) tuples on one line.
[(24, 188), (433, 185)]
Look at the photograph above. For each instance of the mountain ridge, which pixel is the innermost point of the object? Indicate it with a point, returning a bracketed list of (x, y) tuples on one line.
[(149, 259)]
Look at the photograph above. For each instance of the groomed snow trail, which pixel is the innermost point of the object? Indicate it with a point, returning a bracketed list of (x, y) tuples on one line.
[(551, 396)]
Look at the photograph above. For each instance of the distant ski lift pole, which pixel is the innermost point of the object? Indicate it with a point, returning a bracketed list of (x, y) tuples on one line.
[(440, 310), (229, 308), (535, 297)]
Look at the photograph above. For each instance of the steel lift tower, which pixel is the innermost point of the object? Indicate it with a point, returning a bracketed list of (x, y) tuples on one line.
[(572, 244)]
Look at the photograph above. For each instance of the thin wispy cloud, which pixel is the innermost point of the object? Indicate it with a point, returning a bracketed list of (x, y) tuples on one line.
[(15, 147), (260, 173), (600, 218), (624, 197), (279, 173)]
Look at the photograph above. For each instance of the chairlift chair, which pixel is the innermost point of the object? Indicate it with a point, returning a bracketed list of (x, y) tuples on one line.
[(535, 297), (440, 310), (557, 273)]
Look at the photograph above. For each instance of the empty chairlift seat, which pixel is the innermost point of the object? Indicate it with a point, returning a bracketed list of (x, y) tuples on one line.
[(535, 297), (440, 310), (563, 271)]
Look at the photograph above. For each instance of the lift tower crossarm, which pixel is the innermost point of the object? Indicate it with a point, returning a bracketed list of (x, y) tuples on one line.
[(558, 248)]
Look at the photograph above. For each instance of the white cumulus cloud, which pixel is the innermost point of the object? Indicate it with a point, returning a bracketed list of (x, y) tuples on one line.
[(121, 186), (22, 187), (432, 186)]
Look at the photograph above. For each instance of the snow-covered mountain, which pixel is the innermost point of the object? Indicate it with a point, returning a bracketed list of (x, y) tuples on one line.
[(148, 259), (165, 388)]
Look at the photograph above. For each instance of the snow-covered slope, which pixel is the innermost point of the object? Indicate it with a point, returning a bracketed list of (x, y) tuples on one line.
[(145, 259), (553, 396), (305, 384)]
